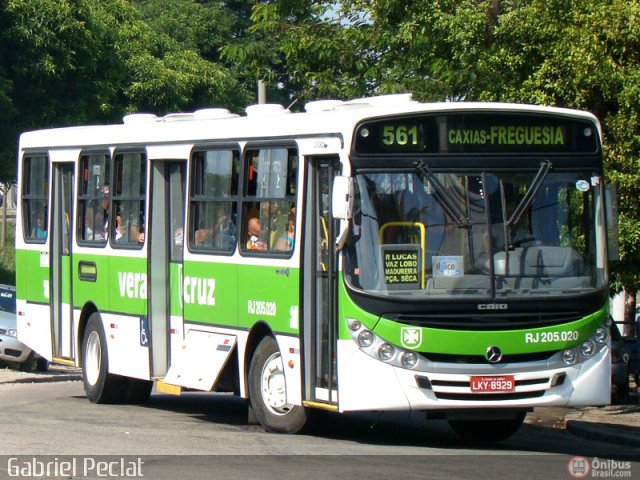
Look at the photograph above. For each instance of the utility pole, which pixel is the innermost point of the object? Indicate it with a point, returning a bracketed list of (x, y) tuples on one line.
[(262, 92)]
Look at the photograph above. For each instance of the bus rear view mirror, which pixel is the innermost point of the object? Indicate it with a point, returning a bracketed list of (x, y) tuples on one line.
[(342, 198), (611, 212)]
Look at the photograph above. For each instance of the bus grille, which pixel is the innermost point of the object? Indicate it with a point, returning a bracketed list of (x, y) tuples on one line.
[(484, 321), (487, 397), (478, 359), (460, 389)]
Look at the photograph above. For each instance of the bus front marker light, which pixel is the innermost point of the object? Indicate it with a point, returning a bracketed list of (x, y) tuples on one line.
[(569, 357), (601, 335), (364, 132), (386, 352), (588, 348), (365, 338), (409, 359), (354, 324)]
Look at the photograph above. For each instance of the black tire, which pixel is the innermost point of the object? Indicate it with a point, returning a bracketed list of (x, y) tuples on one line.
[(136, 391), (267, 391), (99, 385), (27, 365), (487, 431), (42, 364)]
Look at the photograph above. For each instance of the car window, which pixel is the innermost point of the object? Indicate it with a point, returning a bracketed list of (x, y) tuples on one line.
[(7, 300)]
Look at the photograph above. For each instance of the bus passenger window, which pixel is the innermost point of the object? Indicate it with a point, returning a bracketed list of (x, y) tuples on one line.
[(269, 207), (93, 199), (35, 198), (214, 190), (129, 200)]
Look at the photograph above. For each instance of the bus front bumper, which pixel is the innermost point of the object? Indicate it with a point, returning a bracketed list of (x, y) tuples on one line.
[(366, 383)]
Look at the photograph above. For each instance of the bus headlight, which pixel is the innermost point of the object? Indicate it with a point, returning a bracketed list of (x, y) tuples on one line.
[(386, 352), (365, 338), (354, 324), (409, 359), (588, 348), (601, 336), (569, 357)]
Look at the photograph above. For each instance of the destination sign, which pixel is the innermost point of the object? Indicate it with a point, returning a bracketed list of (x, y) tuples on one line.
[(477, 133), (402, 266)]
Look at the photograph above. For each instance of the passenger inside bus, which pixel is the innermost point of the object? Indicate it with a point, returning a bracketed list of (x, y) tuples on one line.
[(39, 231), (94, 224), (254, 228), (285, 241)]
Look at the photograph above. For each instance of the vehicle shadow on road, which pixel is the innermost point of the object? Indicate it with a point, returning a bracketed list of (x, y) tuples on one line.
[(392, 429)]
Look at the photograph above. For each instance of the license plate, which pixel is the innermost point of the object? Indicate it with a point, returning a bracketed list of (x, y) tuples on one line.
[(491, 384)]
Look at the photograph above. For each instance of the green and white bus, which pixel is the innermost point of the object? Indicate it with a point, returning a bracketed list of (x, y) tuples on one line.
[(370, 255)]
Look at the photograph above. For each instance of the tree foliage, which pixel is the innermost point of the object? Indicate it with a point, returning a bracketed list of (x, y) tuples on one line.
[(65, 62), (581, 54)]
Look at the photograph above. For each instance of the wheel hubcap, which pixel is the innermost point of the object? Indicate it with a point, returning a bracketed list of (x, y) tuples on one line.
[(92, 358), (274, 387)]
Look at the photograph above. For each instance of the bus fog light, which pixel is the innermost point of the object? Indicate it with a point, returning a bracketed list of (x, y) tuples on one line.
[(569, 357), (409, 359), (354, 324), (588, 348), (365, 338), (386, 352), (601, 335)]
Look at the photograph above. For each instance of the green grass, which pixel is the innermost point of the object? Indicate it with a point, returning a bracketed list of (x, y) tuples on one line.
[(8, 258)]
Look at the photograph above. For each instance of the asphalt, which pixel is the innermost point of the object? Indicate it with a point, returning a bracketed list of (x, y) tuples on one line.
[(617, 424)]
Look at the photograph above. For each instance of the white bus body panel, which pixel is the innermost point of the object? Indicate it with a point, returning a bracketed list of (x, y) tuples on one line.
[(369, 384), (127, 354), (34, 327), (292, 363)]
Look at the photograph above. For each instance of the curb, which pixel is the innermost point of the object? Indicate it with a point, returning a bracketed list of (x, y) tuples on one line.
[(620, 435), (44, 379)]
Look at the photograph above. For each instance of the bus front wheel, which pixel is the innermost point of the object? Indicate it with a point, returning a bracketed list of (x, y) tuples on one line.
[(487, 430), (99, 385), (268, 391)]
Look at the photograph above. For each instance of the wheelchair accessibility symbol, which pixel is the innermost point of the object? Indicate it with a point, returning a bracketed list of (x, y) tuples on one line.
[(144, 329)]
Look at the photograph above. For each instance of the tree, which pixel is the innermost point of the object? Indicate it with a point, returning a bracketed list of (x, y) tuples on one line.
[(66, 62), (582, 54)]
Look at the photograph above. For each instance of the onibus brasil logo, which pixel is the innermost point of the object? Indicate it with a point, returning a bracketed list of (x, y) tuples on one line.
[(581, 467)]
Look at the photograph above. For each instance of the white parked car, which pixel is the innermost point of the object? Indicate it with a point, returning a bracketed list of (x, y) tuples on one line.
[(11, 349)]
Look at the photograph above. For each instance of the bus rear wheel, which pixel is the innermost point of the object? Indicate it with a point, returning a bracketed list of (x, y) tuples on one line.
[(99, 385), (268, 391), (487, 431)]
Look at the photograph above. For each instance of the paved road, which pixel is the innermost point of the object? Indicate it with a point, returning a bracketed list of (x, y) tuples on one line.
[(56, 419)]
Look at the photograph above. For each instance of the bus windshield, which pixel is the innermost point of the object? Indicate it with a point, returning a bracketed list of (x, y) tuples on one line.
[(419, 233)]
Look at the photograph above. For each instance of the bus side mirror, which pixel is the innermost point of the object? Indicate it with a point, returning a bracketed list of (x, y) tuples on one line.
[(342, 198), (611, 212)]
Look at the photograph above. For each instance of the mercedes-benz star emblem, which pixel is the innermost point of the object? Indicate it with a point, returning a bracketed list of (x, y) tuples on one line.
[(494, 354)]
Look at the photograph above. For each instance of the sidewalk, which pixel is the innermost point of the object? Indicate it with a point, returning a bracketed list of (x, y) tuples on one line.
[(619, 424), (56, 373)]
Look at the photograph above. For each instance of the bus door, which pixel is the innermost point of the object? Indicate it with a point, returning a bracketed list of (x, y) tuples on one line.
[(166, 243), (320, 284), (61, 275)]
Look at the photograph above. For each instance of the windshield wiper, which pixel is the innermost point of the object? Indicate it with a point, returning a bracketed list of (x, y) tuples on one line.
[(535, 185), (449, 203)]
